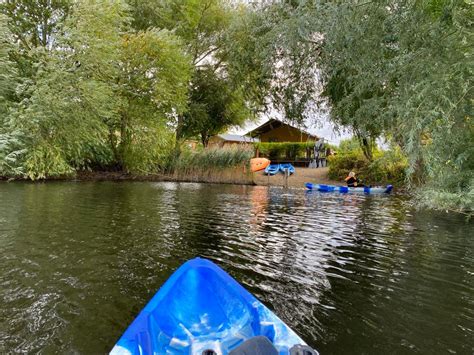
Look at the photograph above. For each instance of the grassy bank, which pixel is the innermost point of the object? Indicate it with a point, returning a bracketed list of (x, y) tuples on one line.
[(214, 165)]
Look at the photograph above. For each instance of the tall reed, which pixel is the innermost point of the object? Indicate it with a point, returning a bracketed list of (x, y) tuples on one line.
[(220, 165)]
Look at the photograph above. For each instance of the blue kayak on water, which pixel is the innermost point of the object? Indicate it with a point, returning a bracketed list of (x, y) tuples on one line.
[(272, 169), (344, 189), (287, 166), (200, 309)]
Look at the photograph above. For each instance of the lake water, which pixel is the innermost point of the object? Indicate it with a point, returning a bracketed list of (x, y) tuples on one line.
[(350, 274)]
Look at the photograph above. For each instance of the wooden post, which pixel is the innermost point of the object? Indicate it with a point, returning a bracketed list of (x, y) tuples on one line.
[(287, 175)]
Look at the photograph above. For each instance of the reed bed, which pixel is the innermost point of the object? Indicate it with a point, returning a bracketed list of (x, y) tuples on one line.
[(216, 165)]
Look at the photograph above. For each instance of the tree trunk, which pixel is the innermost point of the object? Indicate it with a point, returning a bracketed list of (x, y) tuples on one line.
[(179, 135), (366, 144), (44, 32), (205, 139), (124, 140), (367, 148), (418, 177), (113, 144)]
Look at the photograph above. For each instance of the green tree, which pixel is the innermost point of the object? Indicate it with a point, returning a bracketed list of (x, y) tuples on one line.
[(215, 105), (200, 24), (245, 44), (74, 94), (34, 24), (98, 94), (9, 142), (266, 49), (8, 72), (209, 32), (154, 85)]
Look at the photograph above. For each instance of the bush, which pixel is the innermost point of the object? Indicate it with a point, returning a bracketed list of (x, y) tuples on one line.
[(387, 166), (459, 201), (342, 163), (287, 150), (150, 151)]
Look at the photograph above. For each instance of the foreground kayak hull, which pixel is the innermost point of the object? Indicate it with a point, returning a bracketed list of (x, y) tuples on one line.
[(200, 307), (344, 189)]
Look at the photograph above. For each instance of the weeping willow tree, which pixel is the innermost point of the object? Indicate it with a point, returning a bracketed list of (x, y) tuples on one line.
[(404, 69), (153, 84), (401, 69)]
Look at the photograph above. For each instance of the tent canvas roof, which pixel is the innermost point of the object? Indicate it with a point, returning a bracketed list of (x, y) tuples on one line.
[(272, 124), (237, 138)]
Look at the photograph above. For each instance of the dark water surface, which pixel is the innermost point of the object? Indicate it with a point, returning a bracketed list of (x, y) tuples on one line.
[(351, 274)]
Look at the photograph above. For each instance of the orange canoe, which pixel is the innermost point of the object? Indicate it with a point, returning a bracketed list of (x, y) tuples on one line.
[(257, 164)]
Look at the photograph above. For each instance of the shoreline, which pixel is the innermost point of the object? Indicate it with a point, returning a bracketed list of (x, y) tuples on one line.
[(296, 180)]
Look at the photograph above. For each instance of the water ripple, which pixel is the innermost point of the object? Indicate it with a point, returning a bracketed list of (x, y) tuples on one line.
[(350, 273)]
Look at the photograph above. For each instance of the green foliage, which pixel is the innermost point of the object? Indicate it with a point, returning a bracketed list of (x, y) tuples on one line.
[(288, 150), (212, 159), (46, 160), (151, 151), (387, 167), (247, 62), (156, 70), (221, 91), (34, 23), (8, 72), (63, 120), (394, 68), (153, 82), (95, 94), (11, 147), (446, 200), (34, 26), (11, 152), (348, 145), (215, 105), (200, 24), (411, 80), (101, 98), (353, 66), (272, 47)]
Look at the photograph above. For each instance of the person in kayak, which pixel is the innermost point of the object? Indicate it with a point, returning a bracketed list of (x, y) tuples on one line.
[(353, 181)]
